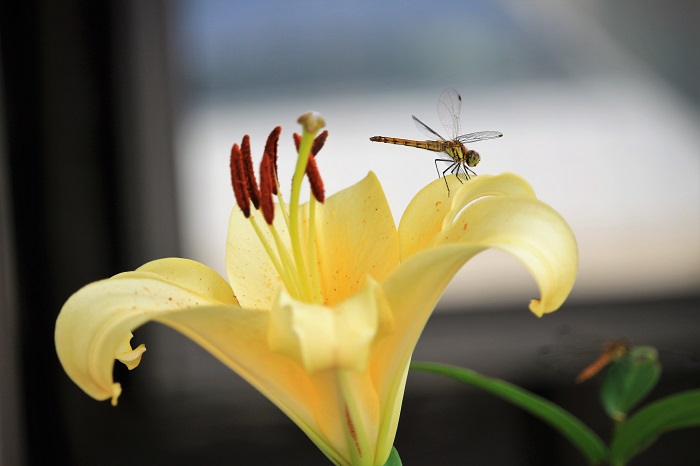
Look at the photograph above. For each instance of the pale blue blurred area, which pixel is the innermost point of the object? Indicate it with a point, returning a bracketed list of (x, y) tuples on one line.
[(276, 48), (604, 136)]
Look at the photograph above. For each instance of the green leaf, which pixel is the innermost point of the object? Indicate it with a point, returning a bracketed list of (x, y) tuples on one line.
[(394, 459), (583, 438), (641, 430), (629, 380)]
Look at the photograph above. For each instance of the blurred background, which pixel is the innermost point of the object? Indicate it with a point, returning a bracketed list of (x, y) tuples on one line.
[(116, 120)]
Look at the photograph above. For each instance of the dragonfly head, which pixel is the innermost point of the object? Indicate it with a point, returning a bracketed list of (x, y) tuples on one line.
[(472, 158)]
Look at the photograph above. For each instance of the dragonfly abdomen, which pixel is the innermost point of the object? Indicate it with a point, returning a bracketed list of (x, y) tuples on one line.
[(435, 146)]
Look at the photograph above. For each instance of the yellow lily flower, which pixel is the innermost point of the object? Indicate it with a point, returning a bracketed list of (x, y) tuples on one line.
[(326, 302)]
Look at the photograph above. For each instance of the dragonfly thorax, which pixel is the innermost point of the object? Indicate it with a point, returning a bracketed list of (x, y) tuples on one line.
[(461, 155)]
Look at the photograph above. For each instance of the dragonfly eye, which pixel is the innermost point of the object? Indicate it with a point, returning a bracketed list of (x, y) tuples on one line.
[(473, 158)]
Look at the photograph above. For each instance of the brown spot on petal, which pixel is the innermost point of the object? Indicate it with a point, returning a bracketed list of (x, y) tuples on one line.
[(351, 430)]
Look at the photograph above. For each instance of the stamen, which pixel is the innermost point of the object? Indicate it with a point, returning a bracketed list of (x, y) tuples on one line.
[(238, 181), (249, 173), (319, 142), (312, 173), (315, 180), (267, 183), (271, 148)]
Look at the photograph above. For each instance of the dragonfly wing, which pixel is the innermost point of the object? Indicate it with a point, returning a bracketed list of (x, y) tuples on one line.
[(423, 128), (479, 136), (449, 109)]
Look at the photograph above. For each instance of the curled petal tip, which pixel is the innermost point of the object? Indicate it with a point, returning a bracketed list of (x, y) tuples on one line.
[(132, 358), (311, 122), (116, 391), (536, 307)]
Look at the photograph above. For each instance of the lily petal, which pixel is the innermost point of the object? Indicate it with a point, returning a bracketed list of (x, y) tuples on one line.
[(499, 212), (431, 208), (250, 271), (131, 358), (509, 218), (530, 231), (239, 339), (193, 276), (355, 236), (322, 337), (108, 310)]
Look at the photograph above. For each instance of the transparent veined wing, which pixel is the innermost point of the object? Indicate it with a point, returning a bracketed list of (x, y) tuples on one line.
[(449, 109), (425, 129), (478, 136)]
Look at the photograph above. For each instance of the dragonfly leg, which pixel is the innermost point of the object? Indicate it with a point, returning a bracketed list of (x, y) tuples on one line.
[(467, 169), (455, 171), (450, 168), (436, 167)]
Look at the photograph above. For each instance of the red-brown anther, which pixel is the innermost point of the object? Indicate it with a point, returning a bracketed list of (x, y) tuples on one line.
[(238, 180), (271, 148), (249, 173), (315, 180), (312, 173), (319, 142), (267, 183)]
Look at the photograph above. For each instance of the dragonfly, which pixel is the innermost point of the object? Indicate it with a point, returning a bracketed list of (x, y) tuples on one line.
[(611, 352), (460, 158)]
